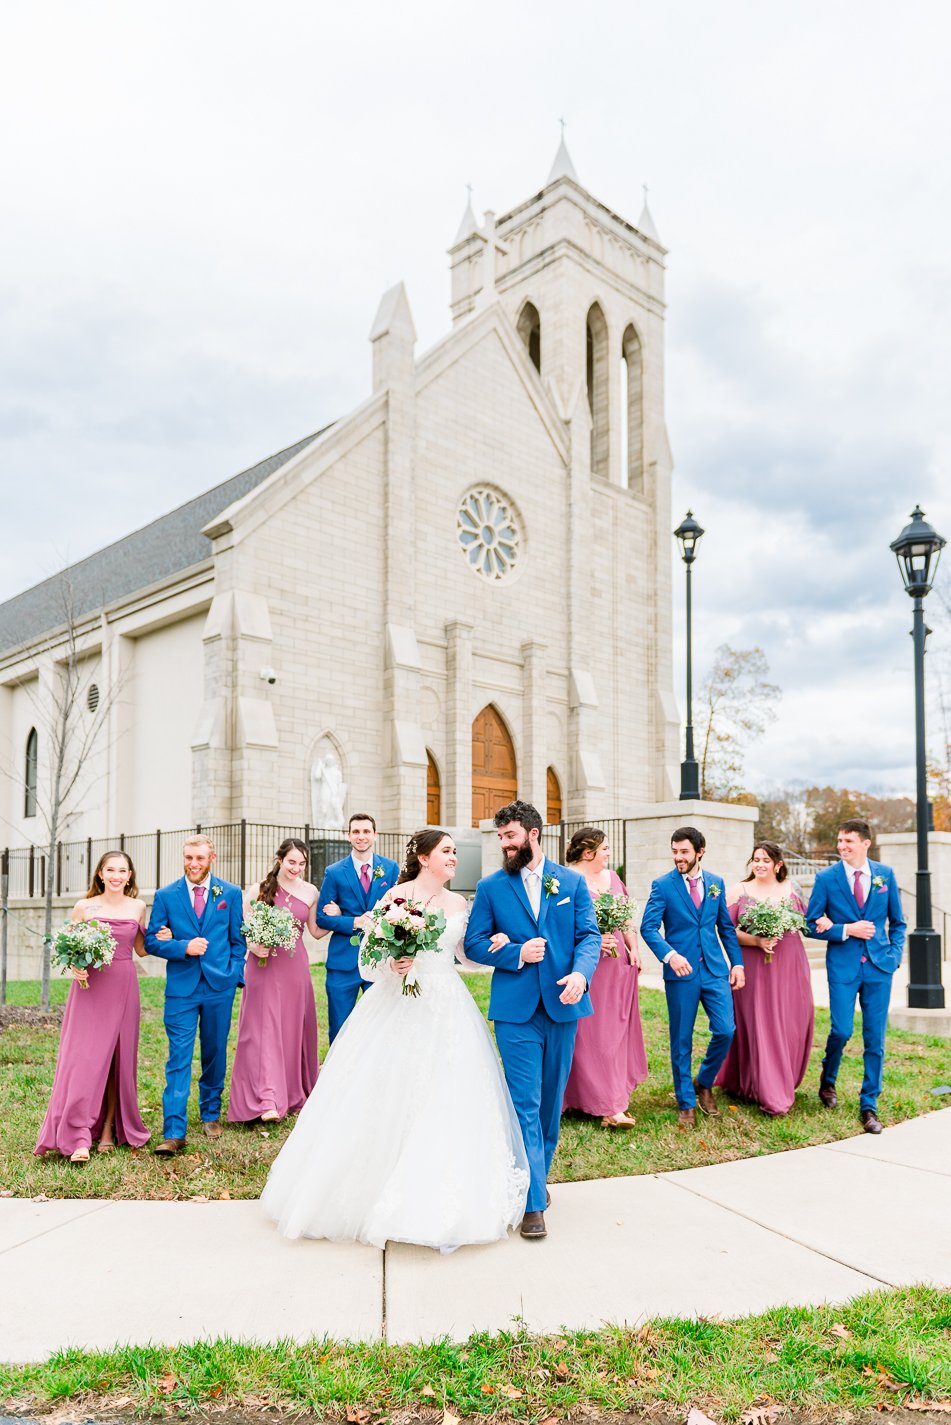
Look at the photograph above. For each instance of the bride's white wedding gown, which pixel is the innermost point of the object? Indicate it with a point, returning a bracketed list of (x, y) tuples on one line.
[(409, 1134)]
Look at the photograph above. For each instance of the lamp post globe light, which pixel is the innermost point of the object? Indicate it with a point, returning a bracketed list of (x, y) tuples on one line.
[(688, 535), (918, 549)]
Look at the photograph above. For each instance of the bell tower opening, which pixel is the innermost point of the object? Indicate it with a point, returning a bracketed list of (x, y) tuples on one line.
[(529, 328)]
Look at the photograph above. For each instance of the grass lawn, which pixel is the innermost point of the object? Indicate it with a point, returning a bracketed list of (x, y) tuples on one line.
[(880, 1352), (237, 1165)]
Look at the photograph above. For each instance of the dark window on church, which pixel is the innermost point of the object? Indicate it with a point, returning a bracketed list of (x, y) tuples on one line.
[(529, 327), (597, 376), (632, 412), (30, 774)]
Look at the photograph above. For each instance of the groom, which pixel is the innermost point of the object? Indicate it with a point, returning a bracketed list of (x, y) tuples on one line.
[(540, 985), (205, 961)]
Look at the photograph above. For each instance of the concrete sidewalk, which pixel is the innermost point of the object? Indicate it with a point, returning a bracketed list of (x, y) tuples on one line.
[(815, 1225)]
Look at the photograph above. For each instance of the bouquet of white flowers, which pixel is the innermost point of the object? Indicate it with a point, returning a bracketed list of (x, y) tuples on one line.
[(614, 913), (271, 928), (84, 945), (400, 928), (771, 920)]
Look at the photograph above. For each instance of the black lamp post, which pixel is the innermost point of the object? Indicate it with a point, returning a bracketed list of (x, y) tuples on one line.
[(688, 535), (918, 549)]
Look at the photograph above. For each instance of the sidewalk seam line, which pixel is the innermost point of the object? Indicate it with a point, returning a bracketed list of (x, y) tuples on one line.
[(57, 1227), (819, 1251), (868, 1158)]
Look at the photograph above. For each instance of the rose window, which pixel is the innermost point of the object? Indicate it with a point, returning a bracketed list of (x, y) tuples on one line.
[(488, 534)]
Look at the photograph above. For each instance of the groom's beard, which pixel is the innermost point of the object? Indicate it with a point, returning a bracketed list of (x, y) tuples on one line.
[(522, 857)]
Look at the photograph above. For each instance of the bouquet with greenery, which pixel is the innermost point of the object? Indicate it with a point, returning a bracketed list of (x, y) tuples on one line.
[(614, 913), (271, 928), (400, 928), (771, 920), (84, 945)]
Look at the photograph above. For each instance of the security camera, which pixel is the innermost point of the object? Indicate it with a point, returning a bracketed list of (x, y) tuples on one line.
[(268, 675)]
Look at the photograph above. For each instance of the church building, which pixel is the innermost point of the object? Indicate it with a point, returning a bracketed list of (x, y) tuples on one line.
[(490, 611)]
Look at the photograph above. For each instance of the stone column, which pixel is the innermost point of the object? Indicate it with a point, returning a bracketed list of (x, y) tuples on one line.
[(586, 781), (728, 829), (457, 790)]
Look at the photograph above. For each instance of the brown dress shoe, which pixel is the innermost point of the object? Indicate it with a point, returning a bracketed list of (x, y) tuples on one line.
[(828, 1095), (870, 1122), (686, 1117), (705, 1101), (533, 1226), (212, 1128), (168, 1147)]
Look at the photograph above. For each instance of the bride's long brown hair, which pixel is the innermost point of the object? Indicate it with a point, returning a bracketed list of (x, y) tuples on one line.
[(421, 843), (267, 890)]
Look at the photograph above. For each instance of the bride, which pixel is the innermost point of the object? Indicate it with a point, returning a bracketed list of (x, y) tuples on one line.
[(409, 1134)]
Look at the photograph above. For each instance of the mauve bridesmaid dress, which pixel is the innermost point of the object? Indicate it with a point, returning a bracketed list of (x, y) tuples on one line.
[(100, 1035), (610, 1059), (275, 1059), (774, 1022)]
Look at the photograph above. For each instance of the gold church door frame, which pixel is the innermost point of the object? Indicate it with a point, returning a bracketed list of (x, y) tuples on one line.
[(494, 769)]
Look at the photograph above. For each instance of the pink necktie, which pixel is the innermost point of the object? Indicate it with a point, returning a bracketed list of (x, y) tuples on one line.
[(199, 901), (859, 893), (365, 876), (694, 893)]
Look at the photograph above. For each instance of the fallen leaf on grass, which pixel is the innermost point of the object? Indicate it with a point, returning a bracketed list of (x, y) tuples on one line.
[(199, 1197), (697, 1417), (511, 1392), (41, 1197), (7, 1192), (224, 1196), (839, 1330), (215, 1391), (487, 1389), (356, 1416), (561, 1370), (760, 1415), (166, 1384), (427, 1390), (449, 1419), (732, 1108), (549, 1420), (940, 1407)]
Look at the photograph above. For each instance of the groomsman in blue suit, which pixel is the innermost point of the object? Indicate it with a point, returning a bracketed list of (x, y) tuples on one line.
[(703, 964), (855, 907), (540, 984), (349, 890), (205, 957)]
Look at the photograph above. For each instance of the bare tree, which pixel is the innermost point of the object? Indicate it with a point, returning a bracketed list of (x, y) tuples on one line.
[(735, 707)]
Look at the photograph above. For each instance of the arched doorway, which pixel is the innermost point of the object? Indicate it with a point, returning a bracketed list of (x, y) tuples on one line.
[(433, 792), (553, 812), (494, 773)]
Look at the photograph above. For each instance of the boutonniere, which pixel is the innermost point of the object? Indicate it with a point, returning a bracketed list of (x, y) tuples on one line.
[(878, 882), (714, 891), (378, 873), (551, 886), (215, 891)]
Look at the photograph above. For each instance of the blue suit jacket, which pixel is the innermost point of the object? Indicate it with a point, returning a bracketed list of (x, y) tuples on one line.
[(703, 934), (832, 895), (341, 884), (566, 920), (222, 964)]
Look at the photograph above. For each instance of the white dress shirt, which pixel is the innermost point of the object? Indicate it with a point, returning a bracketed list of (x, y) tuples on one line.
[(865, 877), (686, 880), (532, 881), (361, 859)]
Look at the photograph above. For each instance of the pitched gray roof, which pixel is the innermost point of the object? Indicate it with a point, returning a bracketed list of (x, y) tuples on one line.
[(167, 546)]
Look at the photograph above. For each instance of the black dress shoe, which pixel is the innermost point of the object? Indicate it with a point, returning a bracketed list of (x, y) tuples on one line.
[(869, 1121), (705, 1100), (828, 1095), (533, 1227)]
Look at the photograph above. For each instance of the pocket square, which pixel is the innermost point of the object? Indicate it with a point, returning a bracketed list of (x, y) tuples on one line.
[(564, 901), (222, 905)]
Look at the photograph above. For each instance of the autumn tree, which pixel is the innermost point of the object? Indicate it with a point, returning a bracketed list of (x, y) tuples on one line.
[(735, 706)]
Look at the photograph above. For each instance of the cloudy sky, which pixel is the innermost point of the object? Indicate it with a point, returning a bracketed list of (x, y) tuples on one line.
[(200, 206)]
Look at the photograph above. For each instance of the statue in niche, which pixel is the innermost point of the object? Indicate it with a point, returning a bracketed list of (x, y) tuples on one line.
[(328, 790)]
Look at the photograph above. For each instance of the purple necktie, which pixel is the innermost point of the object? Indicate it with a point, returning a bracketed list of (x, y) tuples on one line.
[(365, 877), (694, 893), (859, 893), (199, 901)]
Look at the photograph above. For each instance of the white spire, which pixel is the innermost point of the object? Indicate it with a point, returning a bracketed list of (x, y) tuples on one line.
[(645, 222), (562, 166), (468, 226)]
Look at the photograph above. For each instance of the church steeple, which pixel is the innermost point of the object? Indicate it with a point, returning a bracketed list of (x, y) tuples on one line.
[(469, 224), (645, 223), (562, 166)]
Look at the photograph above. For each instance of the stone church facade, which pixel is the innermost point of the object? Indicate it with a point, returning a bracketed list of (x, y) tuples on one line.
[(456, 593)]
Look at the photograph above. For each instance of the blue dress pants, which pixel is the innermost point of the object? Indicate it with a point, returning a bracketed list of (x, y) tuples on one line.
[(206, 1012), (343, 990), (872, 988), (536, 1057), (684, 996)]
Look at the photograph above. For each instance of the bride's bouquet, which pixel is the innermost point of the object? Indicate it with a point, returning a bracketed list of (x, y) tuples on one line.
[(400, 928), (272, 928), (771, 920), (614, 913), (84, 945)]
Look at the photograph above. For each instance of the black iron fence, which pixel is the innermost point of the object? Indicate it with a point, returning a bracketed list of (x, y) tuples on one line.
[(555, 839), (245, 851)]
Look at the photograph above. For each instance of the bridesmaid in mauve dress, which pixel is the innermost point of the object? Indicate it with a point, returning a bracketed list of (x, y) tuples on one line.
[(94, 1089), (774, 1013), (275, 1059), (610, 1059)]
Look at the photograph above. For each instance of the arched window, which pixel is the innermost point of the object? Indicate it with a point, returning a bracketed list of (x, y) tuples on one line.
[(596, 368), (529, 328), (30, 773), (553, 812), (433, 791), (632, 411), (494, 775)]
